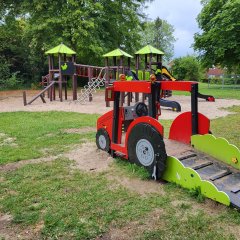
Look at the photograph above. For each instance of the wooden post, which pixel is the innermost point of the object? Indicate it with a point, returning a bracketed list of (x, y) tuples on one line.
[(51, 93), (60, 78), (24, 98), (65, 87), (137, 67), (90, 74), (43, 100), (122, 95), (53, 88), (49, 73), (150, 62), (74, 86), (115, 72), (107, 78), (145, 67)]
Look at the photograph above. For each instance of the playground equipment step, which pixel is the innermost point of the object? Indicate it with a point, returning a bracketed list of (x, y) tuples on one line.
[(187, 156), (230, 184), (195, 162), (221, 175), (214, 172)]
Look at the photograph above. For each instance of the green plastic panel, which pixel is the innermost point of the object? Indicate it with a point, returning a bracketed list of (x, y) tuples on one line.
[(61, 48), (218, 148), (149, 49), (188, 178), (140, 75), (117, 53)]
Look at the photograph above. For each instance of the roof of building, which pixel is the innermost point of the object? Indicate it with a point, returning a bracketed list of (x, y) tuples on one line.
[(215, 71)]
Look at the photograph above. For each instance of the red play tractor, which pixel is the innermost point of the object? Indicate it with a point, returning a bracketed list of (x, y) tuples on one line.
[(134, 132)]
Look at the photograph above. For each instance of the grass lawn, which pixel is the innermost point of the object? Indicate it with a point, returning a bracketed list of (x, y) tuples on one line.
[(67, 203), (27, 135), (216, 91)]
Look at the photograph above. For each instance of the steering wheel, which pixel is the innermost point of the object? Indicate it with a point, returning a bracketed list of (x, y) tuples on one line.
[(141, 109)]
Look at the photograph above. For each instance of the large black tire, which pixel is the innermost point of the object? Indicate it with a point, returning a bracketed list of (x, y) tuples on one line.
[(146, 148), (103, 140)]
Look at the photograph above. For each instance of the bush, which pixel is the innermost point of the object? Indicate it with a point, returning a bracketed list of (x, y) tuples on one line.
[(7, 80), (10, 83)]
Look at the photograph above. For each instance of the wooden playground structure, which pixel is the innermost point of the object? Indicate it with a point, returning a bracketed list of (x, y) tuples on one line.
[(63, 68)]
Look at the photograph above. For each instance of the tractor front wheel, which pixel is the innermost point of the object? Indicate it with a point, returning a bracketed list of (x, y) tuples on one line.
[(103, 140), (146, 148)]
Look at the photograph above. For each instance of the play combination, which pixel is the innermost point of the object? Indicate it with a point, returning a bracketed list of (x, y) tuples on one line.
[(191, 157)]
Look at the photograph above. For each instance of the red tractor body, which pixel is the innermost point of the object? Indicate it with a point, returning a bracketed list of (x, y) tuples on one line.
[(135, 133)]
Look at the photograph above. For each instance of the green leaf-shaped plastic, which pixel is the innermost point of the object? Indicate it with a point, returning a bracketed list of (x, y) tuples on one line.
[(218, 148), (186, 177)]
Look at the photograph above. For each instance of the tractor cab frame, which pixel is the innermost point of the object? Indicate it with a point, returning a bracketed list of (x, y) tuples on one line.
[(135, 133)]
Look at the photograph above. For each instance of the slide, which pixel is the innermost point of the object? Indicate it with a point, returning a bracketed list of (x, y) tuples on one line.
[(167, 74)]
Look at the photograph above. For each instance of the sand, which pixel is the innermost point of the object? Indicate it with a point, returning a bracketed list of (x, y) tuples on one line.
[(11, 101)]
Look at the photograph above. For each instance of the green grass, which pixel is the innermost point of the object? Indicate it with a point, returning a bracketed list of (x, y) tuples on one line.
[(216, 91), (228, 127), (38, 134), (131, 170), (190, 226), (72, 204)]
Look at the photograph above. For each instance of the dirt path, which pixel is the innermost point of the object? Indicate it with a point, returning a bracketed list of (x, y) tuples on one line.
[(11, 101)]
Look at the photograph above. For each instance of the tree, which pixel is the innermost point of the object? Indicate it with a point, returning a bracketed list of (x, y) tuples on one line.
[(187, 68), (90, 27), (218, 43), (12, 55), (159, 33)]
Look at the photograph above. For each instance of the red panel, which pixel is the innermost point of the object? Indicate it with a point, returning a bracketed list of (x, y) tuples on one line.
[(181, 128), (178, 86), (105, 121), (132, 86)]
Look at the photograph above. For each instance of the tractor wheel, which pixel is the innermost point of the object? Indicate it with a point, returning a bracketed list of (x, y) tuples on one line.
[(103, 140), (146, 148)]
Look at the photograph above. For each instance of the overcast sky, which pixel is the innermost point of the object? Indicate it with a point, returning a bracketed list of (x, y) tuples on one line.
[(182, 15)]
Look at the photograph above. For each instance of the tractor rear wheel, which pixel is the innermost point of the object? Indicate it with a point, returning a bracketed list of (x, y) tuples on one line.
[(103, 140), (146, 148)]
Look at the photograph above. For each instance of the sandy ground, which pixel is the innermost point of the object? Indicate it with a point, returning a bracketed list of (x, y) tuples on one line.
[(12, 101)]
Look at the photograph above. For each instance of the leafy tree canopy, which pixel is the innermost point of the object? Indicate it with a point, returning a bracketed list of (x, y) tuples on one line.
[(90, 27), (159, 33), (218, 42), (187, 68)]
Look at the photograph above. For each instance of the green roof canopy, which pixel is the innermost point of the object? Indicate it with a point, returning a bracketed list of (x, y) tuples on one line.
[(117, 53), (61, 48), (149, 49)]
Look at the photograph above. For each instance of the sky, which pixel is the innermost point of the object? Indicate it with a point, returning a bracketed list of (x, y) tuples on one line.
[(182, 15)]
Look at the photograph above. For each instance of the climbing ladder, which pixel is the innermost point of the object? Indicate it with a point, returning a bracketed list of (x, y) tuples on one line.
[(92, 86)]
